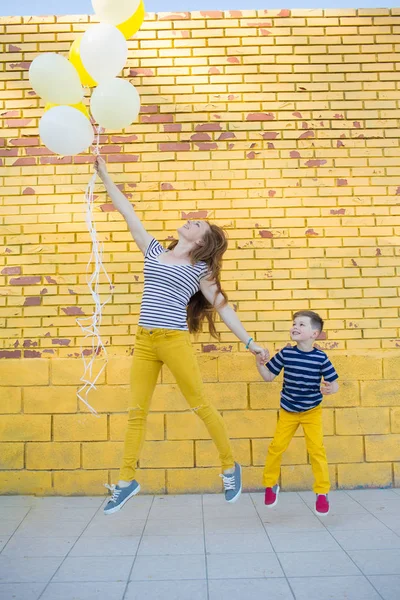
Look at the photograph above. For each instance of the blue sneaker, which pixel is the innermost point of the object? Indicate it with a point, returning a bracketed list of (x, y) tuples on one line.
[(233, 484), (120, 496)]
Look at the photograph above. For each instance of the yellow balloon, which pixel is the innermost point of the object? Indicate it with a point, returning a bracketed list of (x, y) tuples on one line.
[(79, 106), (133, 24), (75, 59)]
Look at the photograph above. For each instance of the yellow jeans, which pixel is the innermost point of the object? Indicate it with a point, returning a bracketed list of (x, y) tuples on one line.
[(153, 348), (311, 421)]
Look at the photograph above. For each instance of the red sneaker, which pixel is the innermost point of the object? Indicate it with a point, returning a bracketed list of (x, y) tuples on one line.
[(271, 496), (322, 505)]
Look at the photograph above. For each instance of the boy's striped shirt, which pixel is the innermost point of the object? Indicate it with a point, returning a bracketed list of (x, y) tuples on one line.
[(302, 374)]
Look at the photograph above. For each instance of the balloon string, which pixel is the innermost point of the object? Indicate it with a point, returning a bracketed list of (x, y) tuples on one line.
[(90, 326)]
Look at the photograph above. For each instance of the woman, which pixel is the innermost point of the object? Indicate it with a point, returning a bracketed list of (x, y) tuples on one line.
[(181, 288)]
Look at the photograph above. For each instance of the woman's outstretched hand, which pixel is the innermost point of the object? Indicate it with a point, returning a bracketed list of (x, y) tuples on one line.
[(255, 349), (100, 167)]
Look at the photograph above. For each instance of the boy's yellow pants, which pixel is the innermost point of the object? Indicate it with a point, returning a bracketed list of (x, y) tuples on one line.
[(153, 348), (311, 421)]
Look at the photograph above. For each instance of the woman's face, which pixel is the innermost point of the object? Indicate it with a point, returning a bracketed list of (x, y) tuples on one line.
[(193, 231)]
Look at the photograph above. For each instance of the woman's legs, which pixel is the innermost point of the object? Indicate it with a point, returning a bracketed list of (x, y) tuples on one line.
[(144, 374), (176, 351)]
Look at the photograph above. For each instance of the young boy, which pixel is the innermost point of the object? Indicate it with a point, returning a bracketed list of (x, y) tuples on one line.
[(301, 396)]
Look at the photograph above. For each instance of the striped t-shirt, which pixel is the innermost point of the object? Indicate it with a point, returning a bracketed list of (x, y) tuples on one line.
[(302, 374), (167, 290)]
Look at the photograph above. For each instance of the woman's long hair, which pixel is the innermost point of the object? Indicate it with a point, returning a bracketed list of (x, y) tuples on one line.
[(211, 252)]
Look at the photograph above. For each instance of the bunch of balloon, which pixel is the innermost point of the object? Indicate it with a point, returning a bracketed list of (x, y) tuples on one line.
[(95, 60), (66, 127)]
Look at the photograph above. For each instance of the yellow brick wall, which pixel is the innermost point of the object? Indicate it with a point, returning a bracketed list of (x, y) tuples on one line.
[(282, 126)]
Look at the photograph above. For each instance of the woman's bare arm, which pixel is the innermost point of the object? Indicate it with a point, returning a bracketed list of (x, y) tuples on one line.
[(122, 204), (210, 291)]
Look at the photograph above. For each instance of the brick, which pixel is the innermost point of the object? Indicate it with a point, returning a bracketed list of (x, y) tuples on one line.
[(25, 482), (395, 420), (185, 426), (381, 448), (24, 372), (102, 455), (167, 454), (21, 428), (119, 370), (11, 456), (65, 371), (356, 367), (344, 449), (365, 475), (194, 481), (207, 453), (80, 427), (265, 395), (300, 477), (50, 399), (11, 400), (109, 398), (167, 397), (396, 475), (79, 483), (237, 367), (48, 456), (355, 421), (254, 424), (380, 393), (391, 367), (348, 395)]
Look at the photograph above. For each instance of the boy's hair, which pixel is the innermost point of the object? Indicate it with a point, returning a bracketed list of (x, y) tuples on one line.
[(316, 321)]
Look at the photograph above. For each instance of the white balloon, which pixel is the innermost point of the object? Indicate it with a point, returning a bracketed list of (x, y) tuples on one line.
[(103, 51), (55, 79), (115, 11), (115, 104), (65, 130)]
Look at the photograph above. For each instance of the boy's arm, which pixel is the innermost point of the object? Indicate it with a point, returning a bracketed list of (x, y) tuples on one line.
[(265, 373), (330, 384)]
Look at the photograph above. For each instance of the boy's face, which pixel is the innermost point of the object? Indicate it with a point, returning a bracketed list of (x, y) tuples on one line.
[(302, 331)]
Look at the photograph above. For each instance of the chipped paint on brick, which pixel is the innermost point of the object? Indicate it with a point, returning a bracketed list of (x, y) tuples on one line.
[(317, 162), (33, 301), (25, 280), (72, 310), (11, 271), (260, 117), (196, 214)]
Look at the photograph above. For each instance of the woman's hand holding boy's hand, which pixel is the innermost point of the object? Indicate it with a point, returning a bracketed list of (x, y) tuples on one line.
[(262, 357)]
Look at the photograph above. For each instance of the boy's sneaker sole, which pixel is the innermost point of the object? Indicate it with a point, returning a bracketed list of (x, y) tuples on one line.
[(115, 509), (276, 499), (319, 514)]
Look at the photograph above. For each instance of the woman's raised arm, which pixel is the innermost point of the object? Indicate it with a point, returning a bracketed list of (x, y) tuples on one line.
[(122, 204)]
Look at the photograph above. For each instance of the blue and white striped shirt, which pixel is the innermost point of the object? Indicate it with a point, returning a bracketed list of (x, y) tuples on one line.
[(167, 290), (302, 374)]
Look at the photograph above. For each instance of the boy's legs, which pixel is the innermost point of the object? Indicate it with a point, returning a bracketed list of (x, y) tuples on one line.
[(311, 421), (286, 428)]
